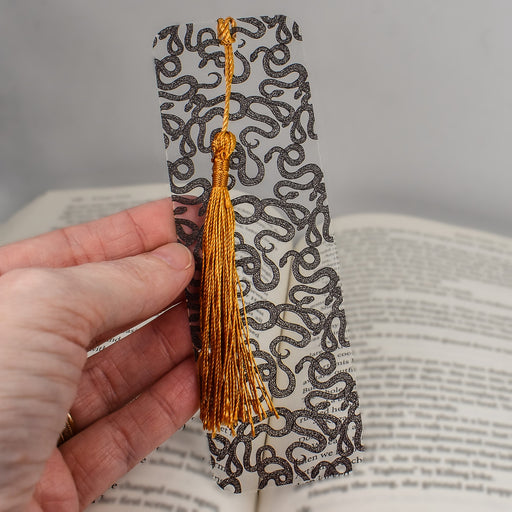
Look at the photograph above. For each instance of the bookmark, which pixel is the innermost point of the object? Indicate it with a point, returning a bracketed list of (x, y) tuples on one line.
[(300, 420)]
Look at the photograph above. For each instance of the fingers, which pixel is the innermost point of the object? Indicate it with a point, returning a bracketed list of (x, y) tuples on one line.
[(110, 447), (120, 372), (133, 231), (48, 318), (80, 303)]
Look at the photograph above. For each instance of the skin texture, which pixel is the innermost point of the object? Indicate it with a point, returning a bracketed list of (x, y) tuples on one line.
[(61, 294)]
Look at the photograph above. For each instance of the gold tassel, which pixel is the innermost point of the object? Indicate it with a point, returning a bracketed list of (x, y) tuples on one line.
[(230, 383)]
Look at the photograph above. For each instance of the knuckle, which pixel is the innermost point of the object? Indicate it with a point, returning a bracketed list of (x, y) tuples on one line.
[(139, 273), (104, 387), (123, 447)]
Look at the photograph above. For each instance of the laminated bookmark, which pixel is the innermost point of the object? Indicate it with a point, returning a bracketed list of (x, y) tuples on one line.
[(277, 385)]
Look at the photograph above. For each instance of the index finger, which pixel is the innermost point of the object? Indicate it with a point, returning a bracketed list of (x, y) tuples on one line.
[(127, 233)]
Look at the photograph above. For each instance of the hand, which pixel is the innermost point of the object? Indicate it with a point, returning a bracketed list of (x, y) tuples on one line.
[(60, 295)]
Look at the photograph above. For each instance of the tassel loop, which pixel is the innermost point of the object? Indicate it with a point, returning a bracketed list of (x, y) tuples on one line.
[(224, 26)]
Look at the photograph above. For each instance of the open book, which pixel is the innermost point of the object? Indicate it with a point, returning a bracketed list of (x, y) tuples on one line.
[(429, 314)]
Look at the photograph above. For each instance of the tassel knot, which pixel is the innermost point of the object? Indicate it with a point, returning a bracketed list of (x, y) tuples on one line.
[(223, 146)]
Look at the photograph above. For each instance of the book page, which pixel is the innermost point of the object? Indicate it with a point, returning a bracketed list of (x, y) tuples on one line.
[(60, 208), (429, 313), (176, 477)]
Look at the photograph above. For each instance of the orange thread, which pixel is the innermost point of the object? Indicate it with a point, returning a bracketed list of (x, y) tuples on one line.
[(231, 388)]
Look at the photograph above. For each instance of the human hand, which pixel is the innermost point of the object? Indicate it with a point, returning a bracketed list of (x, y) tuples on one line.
[(60, 295)]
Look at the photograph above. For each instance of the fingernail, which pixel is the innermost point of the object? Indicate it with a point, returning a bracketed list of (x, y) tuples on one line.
[(175, 255)]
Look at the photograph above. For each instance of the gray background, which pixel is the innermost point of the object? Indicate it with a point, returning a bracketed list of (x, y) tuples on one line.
[(413, 99)]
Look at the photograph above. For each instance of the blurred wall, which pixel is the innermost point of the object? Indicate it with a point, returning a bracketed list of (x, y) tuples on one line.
[(413, 99)]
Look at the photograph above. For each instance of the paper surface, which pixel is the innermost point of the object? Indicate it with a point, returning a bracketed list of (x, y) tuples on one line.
[(408, 466), (286, 256), (58, 208), (431, 324)]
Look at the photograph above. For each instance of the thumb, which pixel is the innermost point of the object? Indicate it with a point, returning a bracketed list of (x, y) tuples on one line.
[(80, 303)]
